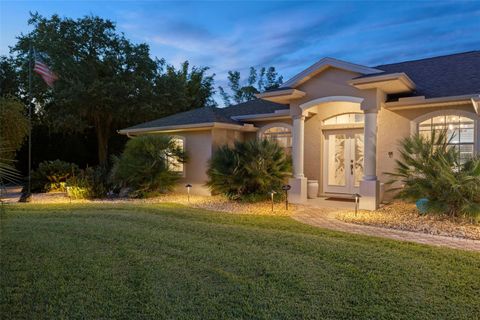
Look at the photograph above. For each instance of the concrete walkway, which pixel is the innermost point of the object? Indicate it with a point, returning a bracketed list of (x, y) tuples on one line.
[(321, 213)]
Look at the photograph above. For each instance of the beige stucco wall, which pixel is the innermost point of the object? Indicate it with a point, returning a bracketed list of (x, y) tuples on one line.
[(198, 147), (332, 82), (222, 137), (393, 126)]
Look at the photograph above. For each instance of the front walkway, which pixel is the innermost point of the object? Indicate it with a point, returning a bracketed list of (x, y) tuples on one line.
[(321, 213)]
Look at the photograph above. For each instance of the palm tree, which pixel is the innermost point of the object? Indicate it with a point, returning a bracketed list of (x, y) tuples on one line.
[(250, 170), (431, 168)]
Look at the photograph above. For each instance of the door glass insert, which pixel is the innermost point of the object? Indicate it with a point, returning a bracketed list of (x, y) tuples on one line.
[(358, 166), (336, 161)]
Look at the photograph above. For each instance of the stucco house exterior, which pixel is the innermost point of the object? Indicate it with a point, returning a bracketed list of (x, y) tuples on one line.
[(341, 122)]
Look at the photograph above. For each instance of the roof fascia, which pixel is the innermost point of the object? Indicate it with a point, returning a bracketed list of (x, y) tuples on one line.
[(190, 127), (279, 114), (401, 76), (421, 102)]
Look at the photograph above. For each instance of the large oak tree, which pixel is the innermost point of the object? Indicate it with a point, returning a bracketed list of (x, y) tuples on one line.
[(105, 81)]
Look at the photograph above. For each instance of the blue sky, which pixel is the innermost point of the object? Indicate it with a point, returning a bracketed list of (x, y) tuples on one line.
[(288, 35)]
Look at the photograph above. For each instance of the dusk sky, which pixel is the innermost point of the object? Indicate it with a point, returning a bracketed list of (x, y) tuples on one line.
[(234, 35)]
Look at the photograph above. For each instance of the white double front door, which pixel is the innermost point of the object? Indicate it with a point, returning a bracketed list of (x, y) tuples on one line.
[(343, 160)]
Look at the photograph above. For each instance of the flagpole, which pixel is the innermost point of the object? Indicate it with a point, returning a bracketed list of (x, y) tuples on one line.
[(29, 192)]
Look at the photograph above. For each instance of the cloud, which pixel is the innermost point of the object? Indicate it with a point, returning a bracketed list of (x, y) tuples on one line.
[(293, 36)]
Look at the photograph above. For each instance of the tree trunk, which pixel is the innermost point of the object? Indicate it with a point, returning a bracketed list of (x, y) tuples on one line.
[(102, 129)]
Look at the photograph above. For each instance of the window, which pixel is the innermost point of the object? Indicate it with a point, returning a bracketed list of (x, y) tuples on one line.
[(461, 131), (346, 118), (173, 163), (282, 135)]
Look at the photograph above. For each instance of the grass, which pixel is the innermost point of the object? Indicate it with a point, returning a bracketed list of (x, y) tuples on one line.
[(96, 261)]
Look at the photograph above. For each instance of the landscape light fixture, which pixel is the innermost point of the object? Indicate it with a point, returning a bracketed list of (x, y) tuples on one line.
[(188, 186), (357, 199), (272, 193), (286, 188)]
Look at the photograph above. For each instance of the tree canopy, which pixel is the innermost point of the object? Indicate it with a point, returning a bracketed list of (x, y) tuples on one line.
[(13, 125), (257, 81), (105, 81)]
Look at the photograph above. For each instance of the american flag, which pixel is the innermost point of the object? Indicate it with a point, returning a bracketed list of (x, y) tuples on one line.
[(44, 71)]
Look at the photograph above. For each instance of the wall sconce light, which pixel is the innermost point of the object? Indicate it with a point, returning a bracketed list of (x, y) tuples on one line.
[(188, 186), (390, 154), (286, 188)]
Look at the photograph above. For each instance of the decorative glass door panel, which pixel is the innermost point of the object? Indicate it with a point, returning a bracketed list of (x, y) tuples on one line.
[(343, 161), (358, 158), (336, 160)]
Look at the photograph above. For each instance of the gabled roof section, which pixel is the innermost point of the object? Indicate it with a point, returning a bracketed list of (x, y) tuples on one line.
[(445, 76), (323, 64)]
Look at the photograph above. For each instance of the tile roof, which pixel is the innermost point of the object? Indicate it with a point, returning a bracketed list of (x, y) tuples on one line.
[(444, 76)]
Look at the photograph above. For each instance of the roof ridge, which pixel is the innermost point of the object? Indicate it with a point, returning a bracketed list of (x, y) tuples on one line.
[(429, 58)]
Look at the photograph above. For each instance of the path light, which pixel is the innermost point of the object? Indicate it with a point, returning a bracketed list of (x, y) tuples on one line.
[(357, 199), (272, 193), (286, 188), (188, 186)]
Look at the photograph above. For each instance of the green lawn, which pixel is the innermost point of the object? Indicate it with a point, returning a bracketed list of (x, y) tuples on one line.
[(172, 262)]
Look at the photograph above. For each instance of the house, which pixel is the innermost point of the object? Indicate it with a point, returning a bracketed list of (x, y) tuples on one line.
[(341, 121)]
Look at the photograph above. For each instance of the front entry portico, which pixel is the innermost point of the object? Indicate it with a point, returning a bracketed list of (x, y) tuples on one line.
[(348, 153)]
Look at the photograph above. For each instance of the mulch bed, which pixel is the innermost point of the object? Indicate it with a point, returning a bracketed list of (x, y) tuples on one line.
[(405, 216)]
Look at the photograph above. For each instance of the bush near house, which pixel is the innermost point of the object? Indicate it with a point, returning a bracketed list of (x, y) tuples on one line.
[(53, 175), (147, 165), (248, 171), (431, 168), (90, 183)]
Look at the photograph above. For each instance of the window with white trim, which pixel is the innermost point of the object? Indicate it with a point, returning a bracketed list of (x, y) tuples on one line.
[(173, 162), (460, 130), (282, 135), (347, 118)]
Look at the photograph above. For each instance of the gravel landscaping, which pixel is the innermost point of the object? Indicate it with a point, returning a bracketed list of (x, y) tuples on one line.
[(404, 216), (214, 203)]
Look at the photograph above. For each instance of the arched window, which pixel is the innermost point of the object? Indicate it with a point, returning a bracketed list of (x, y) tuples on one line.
[(347, 118), (173, 163), (460, 129), (280, 133)]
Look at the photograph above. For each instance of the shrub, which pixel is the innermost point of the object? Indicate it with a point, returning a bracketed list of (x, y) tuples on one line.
[(430, 168), (52, 175), (146, 165), (89, 183), (248, 171)]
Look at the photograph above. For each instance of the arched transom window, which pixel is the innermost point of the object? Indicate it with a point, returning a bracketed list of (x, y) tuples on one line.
[(281, 134), (460, 129), (346, 118)]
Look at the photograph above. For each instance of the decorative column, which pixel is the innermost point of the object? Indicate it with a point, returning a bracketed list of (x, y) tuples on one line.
[(298, 193), (370, 186), (298, 145)]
